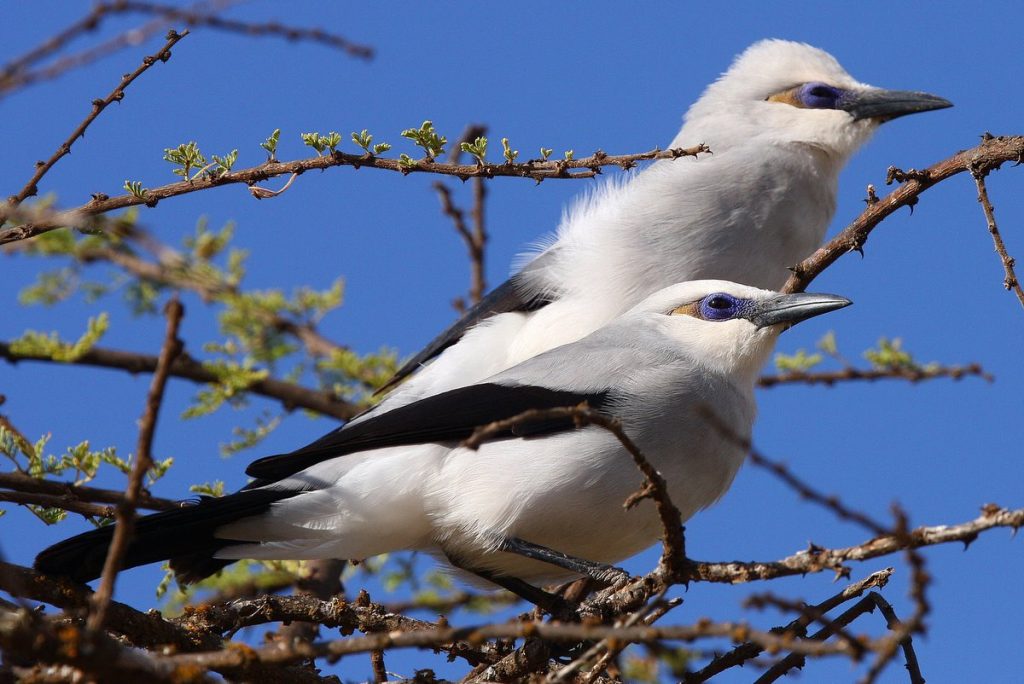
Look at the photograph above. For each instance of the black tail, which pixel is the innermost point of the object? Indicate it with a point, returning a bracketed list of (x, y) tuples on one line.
[(184, 535)]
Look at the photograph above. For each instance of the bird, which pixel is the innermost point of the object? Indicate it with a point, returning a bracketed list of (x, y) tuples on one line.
[(780, 123), (537, 502)]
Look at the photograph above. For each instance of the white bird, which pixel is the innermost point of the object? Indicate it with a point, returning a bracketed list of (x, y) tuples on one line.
[(781, 123), (541, 502)]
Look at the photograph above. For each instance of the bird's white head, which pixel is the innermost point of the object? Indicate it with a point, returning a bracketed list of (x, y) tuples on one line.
[(729, 326), (782, 92)]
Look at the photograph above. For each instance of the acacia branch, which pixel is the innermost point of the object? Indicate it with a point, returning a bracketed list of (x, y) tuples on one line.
[(913, 375), (1010, 282), (290, 395), (538, 170), (117, 94), (143, 462), (992, 153)]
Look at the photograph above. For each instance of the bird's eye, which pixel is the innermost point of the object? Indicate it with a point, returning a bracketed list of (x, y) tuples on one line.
[(819, 95), (719, 307)]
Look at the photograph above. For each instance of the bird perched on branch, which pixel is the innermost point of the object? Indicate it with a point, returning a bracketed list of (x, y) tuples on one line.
[(542, 500), (781, 123)]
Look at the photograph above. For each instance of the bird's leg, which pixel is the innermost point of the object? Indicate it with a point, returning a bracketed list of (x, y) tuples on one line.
[(552, 604), (602, 572)]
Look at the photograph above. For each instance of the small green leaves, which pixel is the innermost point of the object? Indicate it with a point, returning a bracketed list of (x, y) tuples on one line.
[(406, 162), (799, 362), (363, 139), (827, 344), (568, 155), (508, 152), (135, 188), (186, 156), (332, 140), (889, 354), (426, 137), (314, 140), (321, 143), (380, 148), (34, 343), (214, 489), (477, 148), (225, 163), (270, 145), (545, 153)]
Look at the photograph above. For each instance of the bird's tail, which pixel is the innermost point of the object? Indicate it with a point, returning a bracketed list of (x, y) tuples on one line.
[(184, 535)]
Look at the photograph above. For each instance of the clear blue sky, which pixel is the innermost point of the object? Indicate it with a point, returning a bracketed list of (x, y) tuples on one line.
[(615, 76)]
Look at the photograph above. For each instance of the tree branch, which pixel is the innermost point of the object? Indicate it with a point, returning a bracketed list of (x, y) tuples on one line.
[(1010, 282), (847, 374), (989, 155), (538, 170), (117, 94), (290, 395), (143, 462)]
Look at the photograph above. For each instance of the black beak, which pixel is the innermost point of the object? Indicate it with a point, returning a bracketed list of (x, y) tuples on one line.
[(790, 309), (889, 104)]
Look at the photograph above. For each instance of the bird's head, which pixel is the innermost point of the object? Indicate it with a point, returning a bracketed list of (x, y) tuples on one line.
[(792, 93), (729, 326)]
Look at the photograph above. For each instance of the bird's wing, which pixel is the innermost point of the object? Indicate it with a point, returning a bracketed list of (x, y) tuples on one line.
[(517, 293), (445, 417)]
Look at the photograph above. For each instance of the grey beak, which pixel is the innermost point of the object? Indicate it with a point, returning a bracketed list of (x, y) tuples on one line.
[(890, 104), (793, 308)]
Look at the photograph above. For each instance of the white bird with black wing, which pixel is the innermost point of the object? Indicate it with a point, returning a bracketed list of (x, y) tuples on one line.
[(781, 124), (542, 501)]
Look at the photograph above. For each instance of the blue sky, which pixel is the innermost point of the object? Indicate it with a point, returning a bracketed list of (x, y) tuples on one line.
[(606, 75)]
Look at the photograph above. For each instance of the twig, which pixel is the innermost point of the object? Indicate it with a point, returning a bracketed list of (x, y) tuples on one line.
[(798, 627), (141, 629), (117, 94), (68, 491), (871, 374), (64, 503), (673, 557), (989, 155), (54, 43), (1010, 282), (586, 167), (270, 28), (907, 644), (143, 462), (290, 395)]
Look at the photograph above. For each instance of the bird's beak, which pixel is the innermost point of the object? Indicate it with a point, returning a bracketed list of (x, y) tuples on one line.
[(885, 105), (790, 309)]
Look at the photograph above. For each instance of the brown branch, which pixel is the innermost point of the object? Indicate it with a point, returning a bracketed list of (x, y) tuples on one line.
[(64, 503), (270, 28), (53, 44), (913, 375), (816, 559), (989, 155), (673, 563), (538, 170), (117, 94), (475, 239), (290, 395), (143, 462), (20, 482), (797, 627), (1010, 282), (145, 630)]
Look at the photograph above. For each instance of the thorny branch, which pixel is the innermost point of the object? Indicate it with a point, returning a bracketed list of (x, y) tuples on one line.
[(15, 74), (290, 395), (586, 167), (871, 374), (116, 95), (475, 238), (1010, 282), (143, 462), (992, 153), (673, 561)]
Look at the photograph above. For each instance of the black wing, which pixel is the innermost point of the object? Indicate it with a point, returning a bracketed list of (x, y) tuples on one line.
[(505, 298), (444, 417)]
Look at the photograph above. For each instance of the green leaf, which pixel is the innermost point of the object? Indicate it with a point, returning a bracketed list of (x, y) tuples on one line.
[(270, 145)]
